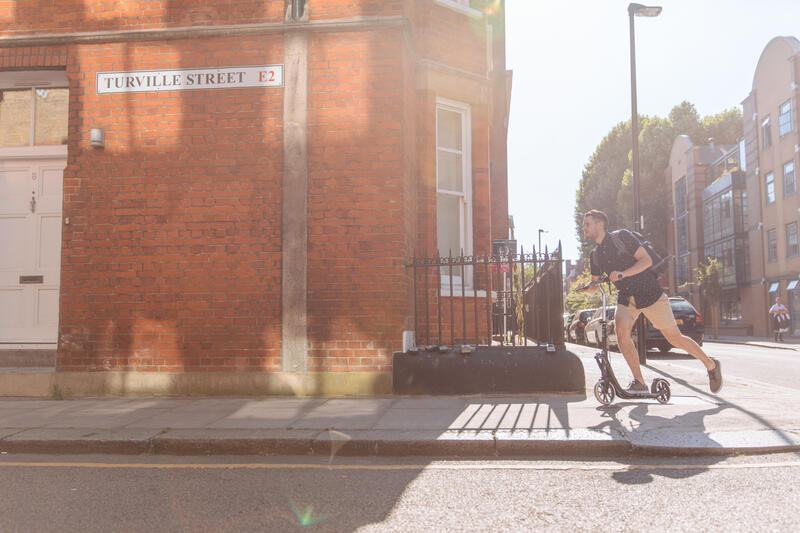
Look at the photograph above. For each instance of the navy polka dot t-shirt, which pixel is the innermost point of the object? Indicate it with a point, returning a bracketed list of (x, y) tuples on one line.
[(606, 258)]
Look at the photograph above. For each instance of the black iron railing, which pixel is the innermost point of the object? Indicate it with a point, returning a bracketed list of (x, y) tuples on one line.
[(506, 298)]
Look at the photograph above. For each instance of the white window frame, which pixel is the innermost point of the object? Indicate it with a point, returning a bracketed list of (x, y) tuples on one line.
[(465, 211), (766, 133), (33, 79), (769, 180), (788, 123), (794, 178), (461, 6)]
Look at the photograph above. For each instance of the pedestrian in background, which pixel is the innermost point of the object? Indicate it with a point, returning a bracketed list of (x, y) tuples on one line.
[(780, 319)]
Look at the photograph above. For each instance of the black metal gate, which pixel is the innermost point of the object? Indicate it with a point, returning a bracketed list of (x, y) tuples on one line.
[(506, 298)]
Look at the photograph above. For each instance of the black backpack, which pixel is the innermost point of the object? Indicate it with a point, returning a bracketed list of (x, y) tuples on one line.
[(659, 265)]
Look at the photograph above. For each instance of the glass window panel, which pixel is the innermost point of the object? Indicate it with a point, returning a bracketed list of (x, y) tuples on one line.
[(785, 119), (448, 129), (680, 196), (772, 245), (789, 185), (51, 116), (448, 224), (791, 240), (449, 172), (15, 117), (770, 188), (742, 155)]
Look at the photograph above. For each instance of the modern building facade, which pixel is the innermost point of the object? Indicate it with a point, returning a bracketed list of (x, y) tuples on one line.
[(772, 143), (740, 203), (223, 196), (688, 174)]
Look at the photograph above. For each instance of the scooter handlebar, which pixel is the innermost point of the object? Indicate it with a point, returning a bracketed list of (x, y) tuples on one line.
[(596, 283)]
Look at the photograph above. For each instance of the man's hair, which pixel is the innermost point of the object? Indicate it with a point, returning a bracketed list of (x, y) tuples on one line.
[(598, 215)]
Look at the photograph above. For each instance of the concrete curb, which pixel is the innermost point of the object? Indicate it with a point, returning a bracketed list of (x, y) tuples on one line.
[(475, 444)]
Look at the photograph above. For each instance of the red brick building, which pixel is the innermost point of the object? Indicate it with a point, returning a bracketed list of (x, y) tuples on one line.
[(244, 183)]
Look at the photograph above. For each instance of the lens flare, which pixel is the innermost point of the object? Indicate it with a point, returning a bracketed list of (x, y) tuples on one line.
[(306, 517)]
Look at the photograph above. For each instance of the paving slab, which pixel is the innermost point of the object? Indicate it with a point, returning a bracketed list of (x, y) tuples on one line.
[(420, 419)]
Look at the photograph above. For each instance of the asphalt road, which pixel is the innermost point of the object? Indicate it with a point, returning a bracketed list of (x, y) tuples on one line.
[(124, 494), (753, 363)]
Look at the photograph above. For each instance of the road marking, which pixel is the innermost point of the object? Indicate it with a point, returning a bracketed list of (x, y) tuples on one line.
[(306, 466)]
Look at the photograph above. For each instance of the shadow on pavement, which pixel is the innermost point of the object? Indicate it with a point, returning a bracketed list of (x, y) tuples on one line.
[(648, 430)]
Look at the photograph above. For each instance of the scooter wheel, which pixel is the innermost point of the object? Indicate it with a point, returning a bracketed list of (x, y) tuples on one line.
[(660, 388), (604, 392)]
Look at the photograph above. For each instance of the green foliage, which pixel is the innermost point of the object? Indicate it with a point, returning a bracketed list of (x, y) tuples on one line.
[(725, 127), (607, 180), (587, 300), (709, 280)]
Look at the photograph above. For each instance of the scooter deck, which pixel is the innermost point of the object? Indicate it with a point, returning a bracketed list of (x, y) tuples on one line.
[(607, 373)]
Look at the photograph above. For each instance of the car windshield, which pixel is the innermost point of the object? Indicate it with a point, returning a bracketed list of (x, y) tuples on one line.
[(681, 305), (585, 315)]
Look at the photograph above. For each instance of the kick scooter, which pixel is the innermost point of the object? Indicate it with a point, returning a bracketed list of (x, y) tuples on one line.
[(607, 386)]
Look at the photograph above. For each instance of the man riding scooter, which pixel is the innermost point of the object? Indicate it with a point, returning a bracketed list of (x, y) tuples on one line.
[(639, 292)]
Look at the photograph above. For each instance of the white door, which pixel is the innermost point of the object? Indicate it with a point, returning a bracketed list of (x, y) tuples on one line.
[(30, 249)]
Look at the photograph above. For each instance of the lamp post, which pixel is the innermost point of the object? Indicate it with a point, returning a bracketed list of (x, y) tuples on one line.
[(540, 238), (637, 10)]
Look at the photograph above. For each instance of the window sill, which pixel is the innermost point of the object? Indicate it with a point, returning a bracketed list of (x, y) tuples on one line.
[(452, 5), (468, 292), (27, 152)]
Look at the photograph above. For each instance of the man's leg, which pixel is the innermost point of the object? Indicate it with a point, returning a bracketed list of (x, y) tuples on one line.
[(681, 341), (623, 324)]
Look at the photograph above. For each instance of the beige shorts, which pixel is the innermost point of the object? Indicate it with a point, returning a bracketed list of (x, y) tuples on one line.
[(659, 313)]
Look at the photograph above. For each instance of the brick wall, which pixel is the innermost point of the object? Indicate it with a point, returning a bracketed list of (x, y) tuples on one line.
[(357, 247), (172, 257), (40, 16)]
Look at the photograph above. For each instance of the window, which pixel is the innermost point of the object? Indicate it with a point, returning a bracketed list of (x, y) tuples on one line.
[(789, 185), (683, 269), (680, 196), (785, 119), (682, 228), (742, 155), (770, 188), (33, 117), (772, 246), (766, 135), (453, 178), (792, 249), (731, 305)]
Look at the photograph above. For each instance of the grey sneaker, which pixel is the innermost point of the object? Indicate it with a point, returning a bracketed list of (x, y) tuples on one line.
[(715, 377), (637, 387)]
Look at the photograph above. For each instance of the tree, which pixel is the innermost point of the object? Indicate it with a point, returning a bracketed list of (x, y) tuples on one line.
[(709, 281), (587, 300), (607, 180), (602, 178)]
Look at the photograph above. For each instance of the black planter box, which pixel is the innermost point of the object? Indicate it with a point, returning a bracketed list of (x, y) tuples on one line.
[(488, 369)]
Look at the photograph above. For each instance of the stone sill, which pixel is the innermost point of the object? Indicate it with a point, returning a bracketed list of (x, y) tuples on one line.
[(451, 4)]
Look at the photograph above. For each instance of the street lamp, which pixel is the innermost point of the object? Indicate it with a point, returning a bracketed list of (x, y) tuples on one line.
[(640, 11), (637, 10), (540, 238)]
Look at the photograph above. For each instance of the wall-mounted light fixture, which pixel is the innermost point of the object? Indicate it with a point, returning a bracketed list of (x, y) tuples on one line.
[(97, 138)]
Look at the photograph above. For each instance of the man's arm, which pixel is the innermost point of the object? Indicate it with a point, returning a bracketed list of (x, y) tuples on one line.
[(590, 288), (643, 262)]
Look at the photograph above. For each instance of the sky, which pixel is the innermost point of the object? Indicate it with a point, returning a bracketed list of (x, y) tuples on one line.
[(571, 85)]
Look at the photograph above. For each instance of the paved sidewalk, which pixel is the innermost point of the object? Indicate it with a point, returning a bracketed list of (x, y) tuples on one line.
[(790, 343), (746, 417)]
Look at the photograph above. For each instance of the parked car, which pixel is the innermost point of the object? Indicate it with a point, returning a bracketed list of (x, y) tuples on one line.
[(593, 330), (690, 322), (578, 323), (567, 321)]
